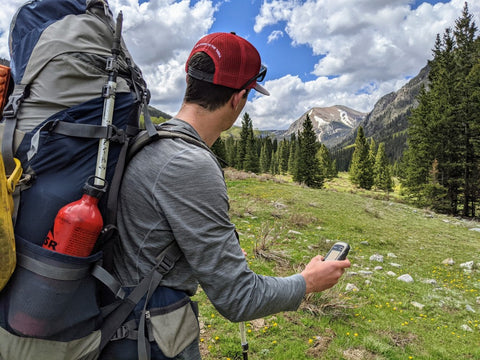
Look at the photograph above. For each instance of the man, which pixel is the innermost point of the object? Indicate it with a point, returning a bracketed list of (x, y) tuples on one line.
[(175, 191)]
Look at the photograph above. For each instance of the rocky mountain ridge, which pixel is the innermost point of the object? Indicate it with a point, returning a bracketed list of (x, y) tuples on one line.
[(331, 124), (393, 109), (337, 126)]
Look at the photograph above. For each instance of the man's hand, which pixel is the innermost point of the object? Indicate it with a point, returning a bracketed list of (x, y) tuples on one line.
[(320, 275)]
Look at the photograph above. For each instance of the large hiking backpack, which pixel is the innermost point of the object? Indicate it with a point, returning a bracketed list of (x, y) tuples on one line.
[(60, 52)]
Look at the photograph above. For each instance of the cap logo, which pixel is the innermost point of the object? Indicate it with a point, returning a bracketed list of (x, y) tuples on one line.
[(219, 54)]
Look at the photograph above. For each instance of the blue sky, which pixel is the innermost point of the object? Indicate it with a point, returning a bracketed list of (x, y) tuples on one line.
[(318, 52), (280, 56)]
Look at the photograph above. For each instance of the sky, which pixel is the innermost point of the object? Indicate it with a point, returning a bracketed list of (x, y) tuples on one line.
[(318, 53)]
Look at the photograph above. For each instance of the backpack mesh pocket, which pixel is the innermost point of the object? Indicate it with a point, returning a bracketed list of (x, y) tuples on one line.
[(51, 295)]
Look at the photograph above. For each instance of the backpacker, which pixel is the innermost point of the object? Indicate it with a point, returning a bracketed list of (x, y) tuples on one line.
[(61, 59)]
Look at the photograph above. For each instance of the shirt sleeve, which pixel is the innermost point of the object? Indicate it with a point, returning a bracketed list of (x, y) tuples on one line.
[(193, 197)]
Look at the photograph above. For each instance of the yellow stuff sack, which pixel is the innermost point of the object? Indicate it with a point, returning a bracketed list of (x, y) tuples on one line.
[(7, 238)]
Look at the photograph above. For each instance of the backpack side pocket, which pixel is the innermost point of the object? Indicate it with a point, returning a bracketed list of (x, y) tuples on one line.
[(51, 295), (175, 326)]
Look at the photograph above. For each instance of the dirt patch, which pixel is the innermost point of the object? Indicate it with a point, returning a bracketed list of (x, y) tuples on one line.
[(321, 344), (400, 339), (329, 302), (359, 354), (258, 324), (204, 333)]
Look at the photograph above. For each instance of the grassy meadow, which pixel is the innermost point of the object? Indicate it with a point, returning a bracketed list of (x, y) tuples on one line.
[(369, 314)]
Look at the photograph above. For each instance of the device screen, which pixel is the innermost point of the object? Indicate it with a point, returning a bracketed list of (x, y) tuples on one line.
[(334, 254)]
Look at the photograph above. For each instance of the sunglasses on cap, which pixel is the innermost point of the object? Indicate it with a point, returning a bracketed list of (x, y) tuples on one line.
[(258, 78)]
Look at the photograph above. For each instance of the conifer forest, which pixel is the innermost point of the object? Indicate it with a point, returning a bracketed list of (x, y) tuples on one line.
[(439, 167)]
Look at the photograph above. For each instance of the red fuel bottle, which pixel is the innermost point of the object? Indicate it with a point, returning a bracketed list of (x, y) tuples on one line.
[(77, 225)]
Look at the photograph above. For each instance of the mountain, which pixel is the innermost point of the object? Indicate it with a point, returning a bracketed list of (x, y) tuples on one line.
[(387, 122), (158, 113), (331, 124)]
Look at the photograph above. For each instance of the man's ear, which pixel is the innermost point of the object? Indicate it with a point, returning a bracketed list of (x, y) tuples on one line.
[(237, 97)]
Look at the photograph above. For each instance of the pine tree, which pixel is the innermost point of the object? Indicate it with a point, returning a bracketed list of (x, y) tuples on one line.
[(308, 168), (219, 149), (325, 162), (283, 152), (466, 57), (420, 151), (333, 169), (372, 150), (231, 151), (473, 103), (292, 154), (296, 159), (383, 178), (361, 167), (273, 164), (242, 143), (435, 193), (264, 159), (251, 162)]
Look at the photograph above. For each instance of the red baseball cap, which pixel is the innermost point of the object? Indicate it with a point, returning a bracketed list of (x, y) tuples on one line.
[(237, 62)]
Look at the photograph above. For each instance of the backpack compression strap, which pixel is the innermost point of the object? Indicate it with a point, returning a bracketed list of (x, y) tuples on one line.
[(10, 123), (113, 322)]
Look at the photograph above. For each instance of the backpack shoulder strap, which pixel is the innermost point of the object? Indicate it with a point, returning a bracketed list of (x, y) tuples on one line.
[(129, 150), (144, 138)]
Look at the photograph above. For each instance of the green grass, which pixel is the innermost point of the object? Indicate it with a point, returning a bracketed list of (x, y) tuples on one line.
[(283, 225)]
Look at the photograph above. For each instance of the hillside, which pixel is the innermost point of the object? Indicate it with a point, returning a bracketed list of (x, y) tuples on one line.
[(401, 299), (390, 113), (158, 113)]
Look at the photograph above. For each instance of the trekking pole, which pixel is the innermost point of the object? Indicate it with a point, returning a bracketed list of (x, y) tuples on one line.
[(243, 337), (108, 94)]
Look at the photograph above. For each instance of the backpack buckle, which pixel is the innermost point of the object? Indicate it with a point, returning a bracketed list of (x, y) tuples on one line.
[(15, 176), (121, 333), (166, 264), (115, 134), (11, 108), (126, 331)]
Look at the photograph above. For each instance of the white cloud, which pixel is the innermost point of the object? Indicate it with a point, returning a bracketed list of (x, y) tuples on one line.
[(373, 45), (274, 36), (291, 97), (273, 12), (156, 31), (8, 10)]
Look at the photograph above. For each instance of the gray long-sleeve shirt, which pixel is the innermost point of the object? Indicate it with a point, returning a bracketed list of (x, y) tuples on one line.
[(175, 190)]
